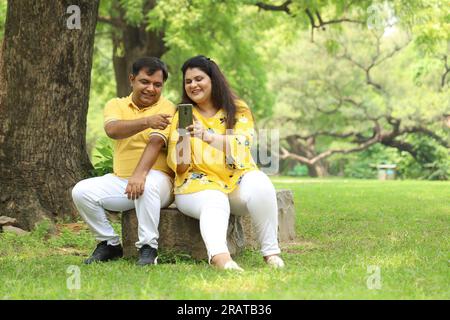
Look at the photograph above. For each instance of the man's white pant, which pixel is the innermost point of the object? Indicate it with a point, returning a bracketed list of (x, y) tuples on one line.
[(92, 196), (255, 196)]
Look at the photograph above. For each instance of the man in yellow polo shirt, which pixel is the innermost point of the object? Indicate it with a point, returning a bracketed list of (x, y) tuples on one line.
[(139, 125)]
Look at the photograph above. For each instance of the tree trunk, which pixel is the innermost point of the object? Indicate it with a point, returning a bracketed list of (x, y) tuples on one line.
[(318, 169), (131, 43), (46, 71), (307, 150)]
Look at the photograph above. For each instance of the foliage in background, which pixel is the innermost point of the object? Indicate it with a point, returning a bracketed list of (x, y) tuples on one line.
[(299, 170), (103, 87), (433, 162), (2, 17), (358, 83), (103, 157), (228, 32)]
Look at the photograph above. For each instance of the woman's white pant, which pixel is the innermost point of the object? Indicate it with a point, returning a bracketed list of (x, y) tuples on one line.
[(92, 196), (255, 196)]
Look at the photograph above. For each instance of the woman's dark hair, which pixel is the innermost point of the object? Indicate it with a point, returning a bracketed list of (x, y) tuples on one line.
[(151, 65), (221, 94)]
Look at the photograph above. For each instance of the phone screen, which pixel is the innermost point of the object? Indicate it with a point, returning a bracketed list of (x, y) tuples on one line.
[(184, 115)]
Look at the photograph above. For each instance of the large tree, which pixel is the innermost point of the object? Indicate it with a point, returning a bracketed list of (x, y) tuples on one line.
[(370, 87), (45, 80)]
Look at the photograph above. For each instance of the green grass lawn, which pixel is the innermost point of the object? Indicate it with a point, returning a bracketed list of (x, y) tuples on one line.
[(343, 227)]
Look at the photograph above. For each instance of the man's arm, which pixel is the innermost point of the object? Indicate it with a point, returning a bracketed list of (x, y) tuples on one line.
[(122, 129), (136, 183)]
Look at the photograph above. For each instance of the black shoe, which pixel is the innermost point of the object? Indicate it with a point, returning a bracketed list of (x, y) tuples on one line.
[(105, 252), (147, 255)]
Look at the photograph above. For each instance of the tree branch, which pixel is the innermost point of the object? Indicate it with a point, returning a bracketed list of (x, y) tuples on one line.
[(311, 20), (376, 138), (282, 7), (428, 133), (401, 145), (323, 133), (334, 21), (447, 70)]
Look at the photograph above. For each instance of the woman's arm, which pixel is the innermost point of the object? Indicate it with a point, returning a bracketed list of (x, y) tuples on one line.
[(179, 150), (183, 150)]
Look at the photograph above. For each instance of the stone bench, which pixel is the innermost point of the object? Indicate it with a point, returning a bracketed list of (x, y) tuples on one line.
[(180, 233)]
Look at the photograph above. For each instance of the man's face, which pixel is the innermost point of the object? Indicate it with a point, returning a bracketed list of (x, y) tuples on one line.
[(146, 88)]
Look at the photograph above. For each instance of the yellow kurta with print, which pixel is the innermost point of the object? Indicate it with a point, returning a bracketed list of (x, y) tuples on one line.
[(128, 152), (209, 167)]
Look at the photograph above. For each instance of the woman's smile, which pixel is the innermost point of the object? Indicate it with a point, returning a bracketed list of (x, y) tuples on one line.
[(198, 86)]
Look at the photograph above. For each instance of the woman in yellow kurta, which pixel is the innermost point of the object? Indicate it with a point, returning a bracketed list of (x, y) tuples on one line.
[(215, 172)]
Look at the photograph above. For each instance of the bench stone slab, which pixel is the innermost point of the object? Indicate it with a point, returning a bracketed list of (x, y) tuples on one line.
[(180, 233)]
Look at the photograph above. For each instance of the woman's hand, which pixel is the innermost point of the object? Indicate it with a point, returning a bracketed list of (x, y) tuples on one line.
[(198, 131)]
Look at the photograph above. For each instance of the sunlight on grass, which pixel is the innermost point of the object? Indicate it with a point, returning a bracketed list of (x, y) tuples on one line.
[(230, 282), (409, 258)]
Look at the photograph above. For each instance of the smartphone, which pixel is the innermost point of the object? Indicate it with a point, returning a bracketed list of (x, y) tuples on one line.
[(184, 115)]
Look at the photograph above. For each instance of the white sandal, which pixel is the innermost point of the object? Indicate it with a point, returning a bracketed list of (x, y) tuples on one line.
[(275, 262), (231, 265)]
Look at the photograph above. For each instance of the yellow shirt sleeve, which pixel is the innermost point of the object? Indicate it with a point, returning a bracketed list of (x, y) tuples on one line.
[(168, 108), (111, 112), (241, 140)]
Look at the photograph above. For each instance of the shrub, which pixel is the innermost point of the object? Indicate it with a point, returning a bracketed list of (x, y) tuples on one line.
[(104, 155)]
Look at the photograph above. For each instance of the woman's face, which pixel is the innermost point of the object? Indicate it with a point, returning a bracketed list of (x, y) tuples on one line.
[(197, 85)]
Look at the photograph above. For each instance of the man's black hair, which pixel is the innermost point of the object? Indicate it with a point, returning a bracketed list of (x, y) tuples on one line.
[(151, 65)]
